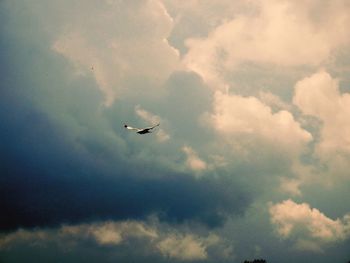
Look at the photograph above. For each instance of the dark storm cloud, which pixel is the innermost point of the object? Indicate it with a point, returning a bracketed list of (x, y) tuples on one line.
[(55, 164), (34, 199), (42, 191)]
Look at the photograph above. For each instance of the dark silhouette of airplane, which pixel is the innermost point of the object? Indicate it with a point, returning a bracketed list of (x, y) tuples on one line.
[(141, 131)]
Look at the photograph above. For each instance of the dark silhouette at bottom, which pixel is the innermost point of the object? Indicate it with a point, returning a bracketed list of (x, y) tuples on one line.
[(255, 261)]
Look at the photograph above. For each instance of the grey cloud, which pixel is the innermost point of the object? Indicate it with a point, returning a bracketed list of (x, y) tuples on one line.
[(66, 159), (148, 241)]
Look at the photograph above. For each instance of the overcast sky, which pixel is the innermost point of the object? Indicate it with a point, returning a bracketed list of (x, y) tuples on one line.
[(252, 155)]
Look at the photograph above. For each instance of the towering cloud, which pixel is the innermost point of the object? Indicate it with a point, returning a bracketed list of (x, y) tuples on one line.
[(319, 96), (284, 33), (117, 41), (253, 103)]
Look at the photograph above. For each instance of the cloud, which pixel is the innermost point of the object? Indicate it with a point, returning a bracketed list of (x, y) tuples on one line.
[(193, 161), (152, 119), (290, 186), (145, 237), (174, 197), (319, 96), (118, 42), (183, 247), (197, 18), (67, 160), (307, 227), (107, 233), (186, 99), (22, 235), (302, 173), (75, 186), (273, 101), (281, 33), (110, 233), (240, 119)]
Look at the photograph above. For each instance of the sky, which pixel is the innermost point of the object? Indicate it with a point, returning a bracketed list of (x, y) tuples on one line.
[(252, 156)]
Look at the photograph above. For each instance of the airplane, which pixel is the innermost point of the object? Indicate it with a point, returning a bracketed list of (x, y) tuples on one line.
[(141, 131)]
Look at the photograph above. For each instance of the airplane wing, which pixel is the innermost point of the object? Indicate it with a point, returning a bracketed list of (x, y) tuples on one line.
[(150, 128), (131, 128)]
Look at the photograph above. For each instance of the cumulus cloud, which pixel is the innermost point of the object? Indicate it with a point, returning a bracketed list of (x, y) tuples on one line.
[(247, 117), (110, 233), (117, 41), (283, 33), (68, 148), (104, 234), (197, 18), (78, 166), (74, 152), (319, 96), (183, 247), (309, 228), (162, 240)]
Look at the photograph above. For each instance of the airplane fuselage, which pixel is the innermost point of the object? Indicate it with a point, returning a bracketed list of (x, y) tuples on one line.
[(144, 131)]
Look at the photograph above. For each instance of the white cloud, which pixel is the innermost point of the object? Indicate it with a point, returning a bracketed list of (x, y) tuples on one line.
[(240, 119), (164, 240), (109, 233), (106, 233), (193, 161), (183, 247), (308, 227), (147, 116), (319, 96), (287, 33), (119, 41)]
